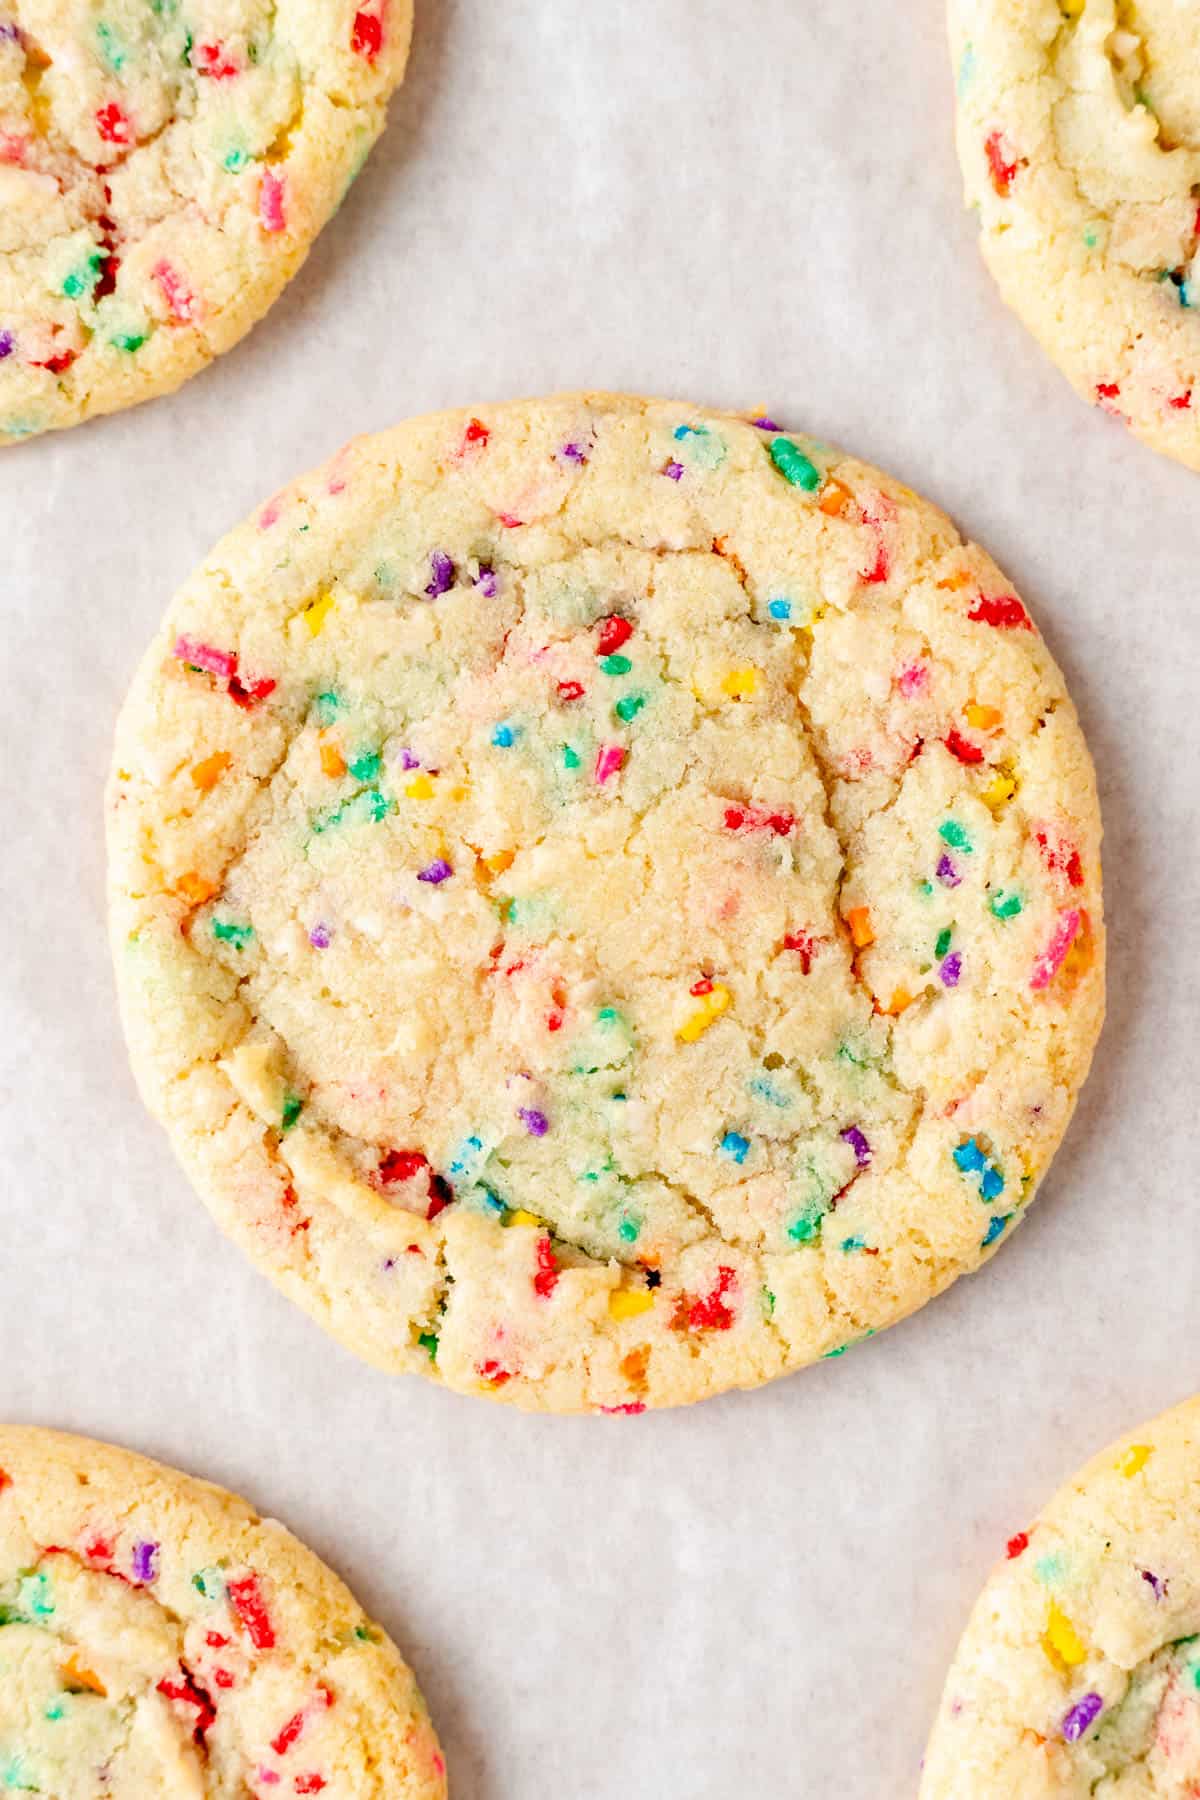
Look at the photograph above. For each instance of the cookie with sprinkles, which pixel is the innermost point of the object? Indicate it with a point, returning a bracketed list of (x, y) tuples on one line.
[(1079, 135), (158, 1637), (606, 899), (164, 168), (1079, 1672)]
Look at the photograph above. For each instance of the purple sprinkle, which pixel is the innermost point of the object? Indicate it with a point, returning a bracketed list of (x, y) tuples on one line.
[(408, 760), (486, 581), (951, 969), (573, 453), (12, 32), (145, 1561), (1081, 1716), (437, 872), (6, 344), (858, 1143), (320, 937), (1159, 1587), (674, 470), (765, 424), (947, 874), (536, 1123), (443, 574)]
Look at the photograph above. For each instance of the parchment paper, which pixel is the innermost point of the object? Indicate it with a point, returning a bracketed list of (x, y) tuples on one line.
[(753, 204)]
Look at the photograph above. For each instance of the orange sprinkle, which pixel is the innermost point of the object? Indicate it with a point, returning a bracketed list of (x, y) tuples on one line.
[(195, 889), (982, 718), (954, 582), (333, 763), (859, 921), (496, 865), (900, 1001), (635, 1364), (75, 1675), (206, 774), (834, 499)]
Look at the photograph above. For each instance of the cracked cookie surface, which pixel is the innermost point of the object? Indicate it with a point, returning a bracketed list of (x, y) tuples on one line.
[(1079, 1672), (606, 899), (158, 1637), (1079, 135), (164, 167)]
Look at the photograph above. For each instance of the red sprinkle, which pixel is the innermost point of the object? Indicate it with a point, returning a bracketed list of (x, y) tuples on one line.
[(1017, 1545), (247, 695), (113, 126), (247, 1603), (1181, 402), (188, 1692), (212, 59), (546, 1279), (270, 202), (961, 747), (752, 818), (216, 1640), (709, 1313), (5, 1480), (806, 945), (309, 1784), (570, 690), (554, 1021), (440, 1196), (1061, 858), (401, 1165), (494, 1372), (614, 631), (1108, 390), (632, 1407), (703, 986), (1002, 163), (222, 1678), (880, 568), (287, 1737), (59, 363), (474, 437), (366, 37), (1004, 611)]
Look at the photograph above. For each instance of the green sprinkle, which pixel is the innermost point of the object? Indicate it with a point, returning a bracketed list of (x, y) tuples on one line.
[(840, 1351), (1005, 906), (925, 888), (226, 932), (571, 758), (796, 468), (82, 280), (33, 1596), (628, 1230), (327, 706), (954, 834), (853, 1243), (428, 1342), (1048, 1569), (615, 665), (366, 766), (769, 1303), (209, 1582), (55, 1710), (235, 160), (1091, 237), (113, 50), (293, 1106), (806, 1228), (943, 942), (128, 341), (629, 707), (363, 1633)]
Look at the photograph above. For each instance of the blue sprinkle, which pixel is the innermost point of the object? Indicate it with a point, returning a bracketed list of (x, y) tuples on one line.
[(504, 737), (969, 1156), (780, 609), (734, 1145), (991, 1182), (853, 1243), (994, 1229)]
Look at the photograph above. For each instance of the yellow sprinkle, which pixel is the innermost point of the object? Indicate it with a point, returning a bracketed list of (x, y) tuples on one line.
[(1073, 8), (206, 774), (1134, 1460), (629, 1303), (861, 931), (983, 718), (958, 580), (315, 615), (710, 1008), (999, 789), (739, 684), (1061, 1641), (419, 788), (521, 1217)]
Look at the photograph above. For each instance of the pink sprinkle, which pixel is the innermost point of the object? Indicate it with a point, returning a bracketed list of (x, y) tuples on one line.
[(270, 513), (203, 656), (1054, 955), (12, 147), (510, 520), (270, 202), (176, 293), (609, 761), (912, 678), (439, 1765), (267, 1777), (634, 1406)]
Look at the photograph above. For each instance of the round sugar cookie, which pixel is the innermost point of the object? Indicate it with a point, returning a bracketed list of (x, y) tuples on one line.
[(158, 1638), (1079, 1672), (606, 899), (164, 167), (1079, 134)]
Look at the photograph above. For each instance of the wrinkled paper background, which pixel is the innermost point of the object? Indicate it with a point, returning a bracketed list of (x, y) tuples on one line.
[(754, 205)]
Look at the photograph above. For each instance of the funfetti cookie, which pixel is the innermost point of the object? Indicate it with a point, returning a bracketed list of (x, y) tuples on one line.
[(1079, 1672), (606, 899), (164, 167), (1079, 133), (158, 1638)]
